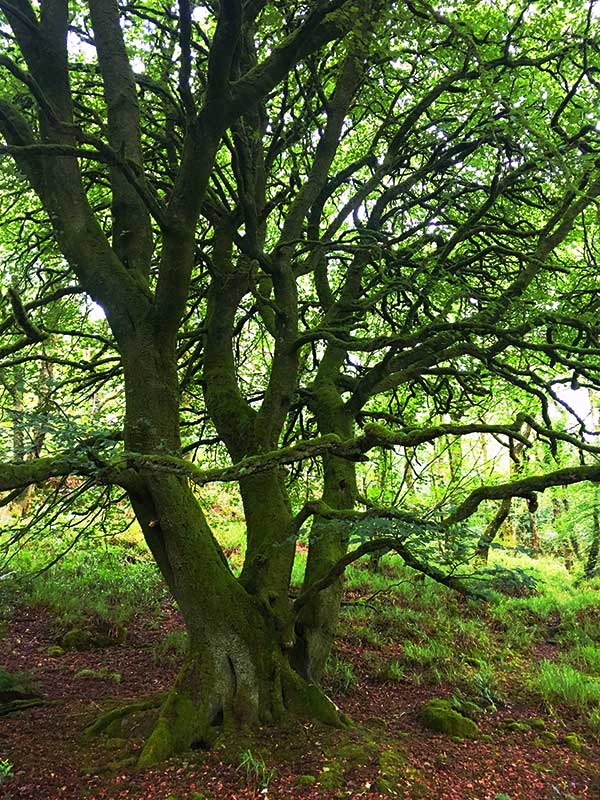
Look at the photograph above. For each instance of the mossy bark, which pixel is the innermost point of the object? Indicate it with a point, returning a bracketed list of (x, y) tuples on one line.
[(236, 672), (317, 623)]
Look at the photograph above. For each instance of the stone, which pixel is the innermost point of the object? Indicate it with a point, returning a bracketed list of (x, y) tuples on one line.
[(76, 639), (305, 780), (439, 716), (515, 726), (573, 742), (536, 723)]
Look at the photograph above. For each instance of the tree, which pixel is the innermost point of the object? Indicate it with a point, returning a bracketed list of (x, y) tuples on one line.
[(300, 221)]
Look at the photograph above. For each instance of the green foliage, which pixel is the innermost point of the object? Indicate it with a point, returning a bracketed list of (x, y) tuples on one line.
[(585, 658), (563, 685), (256, 771), (6, 769), (89, 583), (395, 671), (341, 674), (431, 653)]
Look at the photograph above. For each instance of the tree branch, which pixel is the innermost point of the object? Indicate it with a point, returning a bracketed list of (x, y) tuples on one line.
[(523, 488)]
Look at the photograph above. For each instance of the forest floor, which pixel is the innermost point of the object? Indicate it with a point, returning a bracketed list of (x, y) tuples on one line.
[(387, 753)]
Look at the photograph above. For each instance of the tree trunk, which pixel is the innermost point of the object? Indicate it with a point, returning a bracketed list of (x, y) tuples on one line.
[(490, 533), (317, 623), (236, 672), (591, 565), (535, 532)]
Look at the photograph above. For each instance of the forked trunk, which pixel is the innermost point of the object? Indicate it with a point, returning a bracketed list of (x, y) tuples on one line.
[(236, 673)]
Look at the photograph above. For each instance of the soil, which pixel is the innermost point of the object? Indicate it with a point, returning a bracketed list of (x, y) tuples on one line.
[(52, 758)]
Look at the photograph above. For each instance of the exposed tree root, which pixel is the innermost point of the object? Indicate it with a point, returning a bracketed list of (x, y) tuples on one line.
[(103, 722)]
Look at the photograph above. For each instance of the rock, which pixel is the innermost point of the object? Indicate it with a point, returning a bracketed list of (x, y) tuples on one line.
[(100, 674), (536, 723), (467, 708), (545, 737), (82, 639), (516, 727), (55, 651), (76, 639), (305, 780), (439, 716), (573, 742)]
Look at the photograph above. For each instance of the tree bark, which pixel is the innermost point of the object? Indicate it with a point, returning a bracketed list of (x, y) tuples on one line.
[(318, 620)]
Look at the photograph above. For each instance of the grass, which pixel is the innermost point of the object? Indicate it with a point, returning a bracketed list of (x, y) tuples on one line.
[(256, 771), (561, 684), (110, 584), (341, 674), (585, 658), (401, 628)]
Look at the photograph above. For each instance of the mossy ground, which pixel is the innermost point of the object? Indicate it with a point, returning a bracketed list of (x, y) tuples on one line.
[(415, 642)]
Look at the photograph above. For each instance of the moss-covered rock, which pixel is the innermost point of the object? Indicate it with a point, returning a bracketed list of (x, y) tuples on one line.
[(516, 726), (469, 709), (438, 715), (305, 780), (536, 723), (55, 651), (76, 639), (331, 776), (573, 742), (546, 737), (99, 674), (84, 639)]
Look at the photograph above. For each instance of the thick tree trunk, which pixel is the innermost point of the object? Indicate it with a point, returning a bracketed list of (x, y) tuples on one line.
[(269, 547), (236, 672)]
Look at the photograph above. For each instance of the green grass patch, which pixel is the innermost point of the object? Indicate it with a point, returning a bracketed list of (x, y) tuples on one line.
[(561, 684)]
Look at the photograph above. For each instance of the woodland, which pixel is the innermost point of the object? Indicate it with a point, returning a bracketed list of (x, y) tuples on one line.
[(299, 399)]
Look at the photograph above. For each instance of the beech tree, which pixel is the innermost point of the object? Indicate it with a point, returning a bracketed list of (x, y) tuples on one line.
[(315, 230)]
